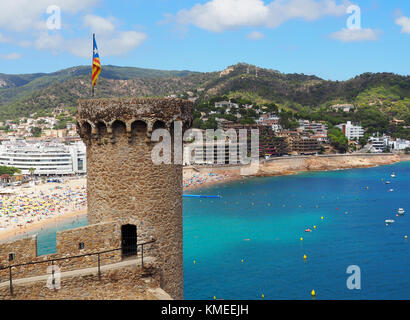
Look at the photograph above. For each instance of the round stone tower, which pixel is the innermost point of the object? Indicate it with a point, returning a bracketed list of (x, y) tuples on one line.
[(123, 183)]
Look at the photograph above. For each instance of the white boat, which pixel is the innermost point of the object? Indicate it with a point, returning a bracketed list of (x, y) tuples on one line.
[(387, 182), (391, 190), (393, 175), (389, 221), (401, 211)]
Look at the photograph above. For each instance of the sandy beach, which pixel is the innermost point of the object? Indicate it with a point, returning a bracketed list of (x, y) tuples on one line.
[(24, 209)]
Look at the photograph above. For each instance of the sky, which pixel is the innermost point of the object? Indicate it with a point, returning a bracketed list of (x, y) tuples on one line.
[(333, 39)]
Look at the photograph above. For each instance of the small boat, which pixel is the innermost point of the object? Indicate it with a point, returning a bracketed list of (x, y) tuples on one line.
[(401, 211), (387, 182), (393, 175), (308, 230), (389, 221), (391, 190)]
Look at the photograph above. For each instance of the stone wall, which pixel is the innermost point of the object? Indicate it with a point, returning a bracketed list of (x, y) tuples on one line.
[(122, 181), (24, 250), (126, 283), (96, 238)]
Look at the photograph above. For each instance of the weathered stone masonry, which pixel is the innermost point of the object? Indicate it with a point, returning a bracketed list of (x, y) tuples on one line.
[(124, 185)]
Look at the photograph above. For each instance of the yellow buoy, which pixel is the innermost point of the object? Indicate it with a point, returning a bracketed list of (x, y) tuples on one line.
[(214, 298), (194, 261), (313, 293), (321, 218), (242, 260), (314, 227), (405, 237), (263, 296), (304, 257), (301, 238)]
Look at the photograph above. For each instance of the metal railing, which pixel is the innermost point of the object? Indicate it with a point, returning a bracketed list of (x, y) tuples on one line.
[(98, 254)]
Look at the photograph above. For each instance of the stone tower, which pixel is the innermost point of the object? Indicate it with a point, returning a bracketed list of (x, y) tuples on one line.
[(124, 185)]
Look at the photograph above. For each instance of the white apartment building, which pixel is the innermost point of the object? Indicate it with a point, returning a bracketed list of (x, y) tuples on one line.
[(400, 144), (351, 131), (378, 144), (46, 158)]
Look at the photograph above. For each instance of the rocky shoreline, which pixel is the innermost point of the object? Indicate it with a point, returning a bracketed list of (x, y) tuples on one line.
[(292, 165)]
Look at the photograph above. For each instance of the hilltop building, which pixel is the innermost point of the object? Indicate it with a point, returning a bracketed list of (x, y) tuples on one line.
[(344, 107), (227, 105)]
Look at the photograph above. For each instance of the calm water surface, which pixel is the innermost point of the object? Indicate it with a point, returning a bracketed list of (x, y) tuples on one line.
[(248, 242)]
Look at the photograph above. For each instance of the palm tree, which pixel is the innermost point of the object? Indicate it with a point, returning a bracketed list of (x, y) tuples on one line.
[(31, 172)]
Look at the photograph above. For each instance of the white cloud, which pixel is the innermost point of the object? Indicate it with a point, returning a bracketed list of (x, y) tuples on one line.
[(355, 35), (21, 15), (11, 56), (98, 24), (111, 42), (46, 41), (404, 23), (3, 39), (219, 15), (255, 35), (120, 44)]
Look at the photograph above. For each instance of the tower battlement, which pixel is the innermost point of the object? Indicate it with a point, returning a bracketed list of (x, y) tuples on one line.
[(123, 183), (103, 117)]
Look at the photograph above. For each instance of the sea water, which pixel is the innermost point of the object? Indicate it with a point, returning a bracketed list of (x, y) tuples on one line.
[(247, 244)]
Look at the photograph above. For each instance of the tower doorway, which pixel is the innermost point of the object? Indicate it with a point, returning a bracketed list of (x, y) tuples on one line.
[(129, 240)]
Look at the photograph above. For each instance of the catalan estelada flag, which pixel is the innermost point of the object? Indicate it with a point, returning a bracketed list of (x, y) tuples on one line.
[(96, 63)]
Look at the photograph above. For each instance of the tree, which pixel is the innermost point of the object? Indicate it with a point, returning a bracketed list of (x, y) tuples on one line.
[(338, 139), (36, 131), (9, 170), (31, 171)]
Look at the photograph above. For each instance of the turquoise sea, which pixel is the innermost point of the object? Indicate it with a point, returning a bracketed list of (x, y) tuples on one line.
[(248, 242)]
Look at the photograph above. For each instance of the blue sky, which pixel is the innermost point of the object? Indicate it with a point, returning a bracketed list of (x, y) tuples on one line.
[(292, 36)]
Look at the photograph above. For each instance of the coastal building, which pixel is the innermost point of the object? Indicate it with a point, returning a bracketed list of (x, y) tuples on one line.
[(400, 144), (317, 128), (270, 144), (212, 153), (379, 144), (351, 131), (305, 145), (47, 158)]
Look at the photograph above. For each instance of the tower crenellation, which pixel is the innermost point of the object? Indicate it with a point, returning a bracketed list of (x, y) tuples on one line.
[(123, 183)]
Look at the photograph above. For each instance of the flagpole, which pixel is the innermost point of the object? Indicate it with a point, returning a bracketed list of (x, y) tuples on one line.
[(92, 86)]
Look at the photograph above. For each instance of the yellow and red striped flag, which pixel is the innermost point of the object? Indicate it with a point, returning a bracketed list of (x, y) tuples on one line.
[(96, 64)]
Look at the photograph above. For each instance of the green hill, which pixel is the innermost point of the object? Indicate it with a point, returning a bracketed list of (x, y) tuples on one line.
[(22, 95)]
